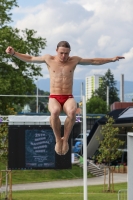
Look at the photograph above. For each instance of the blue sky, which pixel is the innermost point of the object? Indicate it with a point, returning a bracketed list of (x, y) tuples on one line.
[(101, 28), (29, 2)]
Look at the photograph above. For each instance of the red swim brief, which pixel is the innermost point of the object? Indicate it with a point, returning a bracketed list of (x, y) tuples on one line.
[(61, 98)]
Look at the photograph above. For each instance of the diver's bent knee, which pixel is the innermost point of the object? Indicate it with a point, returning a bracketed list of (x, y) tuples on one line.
[(71, 113), (55, 112)]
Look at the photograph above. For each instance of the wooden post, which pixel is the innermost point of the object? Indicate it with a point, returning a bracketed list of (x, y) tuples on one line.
[(104, 177), (112, 180), (10, 185), (0, 183), (109, 181), (9, 174)]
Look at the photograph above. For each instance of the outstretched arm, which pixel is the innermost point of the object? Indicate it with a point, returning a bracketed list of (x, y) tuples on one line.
[(98, 61), (25, 57)]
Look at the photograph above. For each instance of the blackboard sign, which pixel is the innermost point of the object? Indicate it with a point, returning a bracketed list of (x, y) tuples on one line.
[(32, 147), (39, 151)]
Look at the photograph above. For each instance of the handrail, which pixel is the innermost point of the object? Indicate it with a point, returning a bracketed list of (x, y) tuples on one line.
[(94, 165)]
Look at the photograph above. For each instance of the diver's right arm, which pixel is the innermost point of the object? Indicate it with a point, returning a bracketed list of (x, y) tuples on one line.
[(24, 57)]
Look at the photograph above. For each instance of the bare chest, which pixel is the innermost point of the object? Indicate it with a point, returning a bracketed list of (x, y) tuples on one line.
[(61, 70)]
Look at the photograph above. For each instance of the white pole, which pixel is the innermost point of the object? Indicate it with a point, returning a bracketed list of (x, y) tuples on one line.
[(84, 149), (107, 97), (81, 90), (37, 99), (122, 88)]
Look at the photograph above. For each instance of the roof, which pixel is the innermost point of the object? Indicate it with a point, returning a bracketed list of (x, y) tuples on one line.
[(127, 113), (32, 119), (115, 114), (122, 118)]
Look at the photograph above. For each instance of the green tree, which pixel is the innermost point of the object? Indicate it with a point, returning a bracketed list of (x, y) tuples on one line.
[(3, 142), (5, 7), (4, 135), (108, 80), (16, 76), (109, 146), (96, 105)]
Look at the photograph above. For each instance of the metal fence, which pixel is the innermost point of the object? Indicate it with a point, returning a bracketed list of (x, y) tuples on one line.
[(122, 194)]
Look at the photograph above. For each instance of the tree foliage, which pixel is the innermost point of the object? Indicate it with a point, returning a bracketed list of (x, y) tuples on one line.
[(96, 105), (110, 146), (5, 7), (108, 80), (4, 135), (16, 76), (3, 142)]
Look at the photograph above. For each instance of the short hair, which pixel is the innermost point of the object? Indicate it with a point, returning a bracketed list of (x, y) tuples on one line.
[(63, 44)]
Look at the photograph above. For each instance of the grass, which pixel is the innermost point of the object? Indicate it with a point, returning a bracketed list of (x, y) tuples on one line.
[(94, 193), (32, 176)]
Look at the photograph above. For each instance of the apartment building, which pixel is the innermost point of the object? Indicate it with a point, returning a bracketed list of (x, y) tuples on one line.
[(92, 83)]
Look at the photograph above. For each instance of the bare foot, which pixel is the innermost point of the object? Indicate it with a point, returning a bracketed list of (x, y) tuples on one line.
[(65, 147), (58, 147)]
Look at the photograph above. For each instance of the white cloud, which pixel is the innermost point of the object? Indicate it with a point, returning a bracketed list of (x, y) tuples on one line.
[(104, 41), (129, 55), (125, 67), (101, 28)]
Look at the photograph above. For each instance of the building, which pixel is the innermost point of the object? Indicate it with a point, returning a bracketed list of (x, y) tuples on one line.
[(92, 83), (122, 113)]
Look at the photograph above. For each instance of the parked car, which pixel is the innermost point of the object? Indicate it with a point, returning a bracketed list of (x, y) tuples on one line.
[(79, 138)]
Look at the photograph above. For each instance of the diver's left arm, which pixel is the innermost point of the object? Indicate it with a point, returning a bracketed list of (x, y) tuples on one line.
[(98, 61)]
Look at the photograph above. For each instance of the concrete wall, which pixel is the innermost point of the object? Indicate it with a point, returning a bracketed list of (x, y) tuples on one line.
[(120, 105), (130, 165)]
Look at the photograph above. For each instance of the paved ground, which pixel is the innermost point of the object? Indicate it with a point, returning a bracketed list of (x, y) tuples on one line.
[(118, 178)]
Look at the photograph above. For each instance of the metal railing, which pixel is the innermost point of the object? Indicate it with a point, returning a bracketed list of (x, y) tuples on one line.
[(122, 194)]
